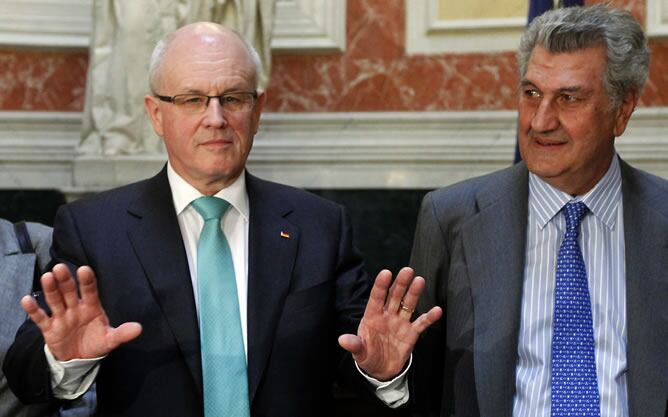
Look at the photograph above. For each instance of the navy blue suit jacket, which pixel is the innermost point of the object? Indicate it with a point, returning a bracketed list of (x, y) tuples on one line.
[(303, 291)]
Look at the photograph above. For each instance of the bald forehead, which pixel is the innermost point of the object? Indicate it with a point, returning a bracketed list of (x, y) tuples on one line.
[(206, 37), (204, 57)]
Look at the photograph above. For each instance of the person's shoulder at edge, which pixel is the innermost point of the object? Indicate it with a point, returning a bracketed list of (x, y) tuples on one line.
[(647, 186), (118, 196), (461, 196), (38, 231), (40, 237)]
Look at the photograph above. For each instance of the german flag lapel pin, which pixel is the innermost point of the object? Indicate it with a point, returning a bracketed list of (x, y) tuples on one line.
[(285, 235)]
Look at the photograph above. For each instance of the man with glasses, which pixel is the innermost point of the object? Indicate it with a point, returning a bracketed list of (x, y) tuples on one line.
[(205, 290)]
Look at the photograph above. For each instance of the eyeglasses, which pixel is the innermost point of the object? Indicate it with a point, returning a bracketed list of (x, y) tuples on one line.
[(238, 101)]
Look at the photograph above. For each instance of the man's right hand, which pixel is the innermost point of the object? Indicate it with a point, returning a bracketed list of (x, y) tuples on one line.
[(78, 327)]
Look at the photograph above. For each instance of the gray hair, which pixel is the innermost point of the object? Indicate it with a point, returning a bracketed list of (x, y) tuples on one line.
[(575, 28), (158, 55)]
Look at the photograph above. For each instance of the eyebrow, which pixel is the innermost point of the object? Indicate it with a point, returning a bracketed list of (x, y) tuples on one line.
[(227, 91), (569, 89), (574, 89)]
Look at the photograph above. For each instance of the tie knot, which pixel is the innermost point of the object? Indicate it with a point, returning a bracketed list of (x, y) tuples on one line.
[(210, 207), (574, 213)]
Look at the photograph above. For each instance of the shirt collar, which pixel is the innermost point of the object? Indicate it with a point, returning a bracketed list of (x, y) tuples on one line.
[(183, 193), (546, 201)]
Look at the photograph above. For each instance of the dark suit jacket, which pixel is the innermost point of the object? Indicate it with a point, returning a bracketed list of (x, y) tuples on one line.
[(304, 291), (470, 247)]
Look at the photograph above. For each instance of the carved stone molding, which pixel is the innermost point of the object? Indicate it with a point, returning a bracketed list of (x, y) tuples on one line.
[(37, 149), (59, 23), (657, 18), (301, 25), (392, 150), (426, 34), (309, 25)]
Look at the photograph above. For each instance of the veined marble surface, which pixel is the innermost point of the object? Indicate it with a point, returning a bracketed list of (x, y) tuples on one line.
[(42, 80), (374, 73)]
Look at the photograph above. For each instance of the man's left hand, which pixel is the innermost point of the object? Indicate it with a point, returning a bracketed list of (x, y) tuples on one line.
[(386, 336)]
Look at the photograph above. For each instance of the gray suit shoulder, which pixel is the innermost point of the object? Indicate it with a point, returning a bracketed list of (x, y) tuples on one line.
[(649, 188), (40, 235), (464, 198)]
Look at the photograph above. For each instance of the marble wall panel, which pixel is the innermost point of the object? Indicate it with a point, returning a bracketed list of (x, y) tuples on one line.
[(373, 74), (42, 80)]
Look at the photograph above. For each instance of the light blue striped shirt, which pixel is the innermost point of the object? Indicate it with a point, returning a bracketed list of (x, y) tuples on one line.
[(602, 242)]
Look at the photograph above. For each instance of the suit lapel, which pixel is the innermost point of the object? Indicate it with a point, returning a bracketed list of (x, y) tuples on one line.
[(156, 237), (494, 245), (270, 262), (646, 244)]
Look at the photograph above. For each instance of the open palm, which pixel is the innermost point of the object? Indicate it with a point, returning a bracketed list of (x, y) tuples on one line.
[(386, 336), (78, 327)]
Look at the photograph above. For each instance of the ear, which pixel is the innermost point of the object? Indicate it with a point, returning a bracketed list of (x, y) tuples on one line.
[(152, 107), (624, 112), (257, 110)]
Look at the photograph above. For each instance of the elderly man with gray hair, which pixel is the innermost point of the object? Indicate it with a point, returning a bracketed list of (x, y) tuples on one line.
[(552, 273)]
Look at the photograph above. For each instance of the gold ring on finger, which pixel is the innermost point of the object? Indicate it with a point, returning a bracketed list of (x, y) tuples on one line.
[(406, 309)]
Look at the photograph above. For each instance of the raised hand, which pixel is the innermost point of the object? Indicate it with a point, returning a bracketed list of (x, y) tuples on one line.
[(386, 336), (78, 327)]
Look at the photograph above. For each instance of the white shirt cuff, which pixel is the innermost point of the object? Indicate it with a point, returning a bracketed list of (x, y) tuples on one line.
[(71, 379), (394, 393)]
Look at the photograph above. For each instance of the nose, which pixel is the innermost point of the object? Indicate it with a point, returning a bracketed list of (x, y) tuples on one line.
[(214, 117), (546, 117)]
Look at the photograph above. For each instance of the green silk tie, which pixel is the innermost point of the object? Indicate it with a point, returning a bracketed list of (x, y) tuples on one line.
[(222, 347)]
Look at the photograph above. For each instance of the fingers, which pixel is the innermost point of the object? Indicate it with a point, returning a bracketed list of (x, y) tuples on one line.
[(123, 334), (36, 314), (427, 319), (410, 300), (88, 286), (378, 294), (66, 285), (402, 296), (61, 292), (352, 344), (398, 289), (52, 295)]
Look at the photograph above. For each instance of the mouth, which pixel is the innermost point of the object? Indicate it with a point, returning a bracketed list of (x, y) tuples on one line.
[(216, 143), (547, 142)]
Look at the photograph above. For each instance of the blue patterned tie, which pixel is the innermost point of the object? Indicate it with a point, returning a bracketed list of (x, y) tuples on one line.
[(574, 382), (223, 355)]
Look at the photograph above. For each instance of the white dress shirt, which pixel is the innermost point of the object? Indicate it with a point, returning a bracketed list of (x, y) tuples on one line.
[(602, 241), (235, 227)]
